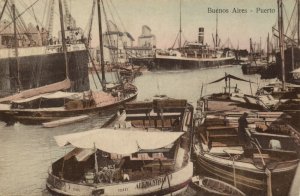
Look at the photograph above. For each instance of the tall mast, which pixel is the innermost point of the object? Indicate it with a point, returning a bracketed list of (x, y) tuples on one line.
[(180, 30), (298, 23), (281, 41), (268, 49), (251, 50), (63, 37), (16, 44), (3, 9), (101, 46), (217, 42), (260, 52)]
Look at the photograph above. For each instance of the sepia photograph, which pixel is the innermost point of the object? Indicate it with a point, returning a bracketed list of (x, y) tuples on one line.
[(150, 97)]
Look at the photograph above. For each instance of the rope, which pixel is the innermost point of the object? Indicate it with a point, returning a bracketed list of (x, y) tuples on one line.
[(269, 182), (19, 15), (175, 40), (290, 18), (256, 184), (112, 55)]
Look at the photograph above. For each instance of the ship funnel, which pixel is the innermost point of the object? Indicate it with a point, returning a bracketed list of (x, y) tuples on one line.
[(201, 35)]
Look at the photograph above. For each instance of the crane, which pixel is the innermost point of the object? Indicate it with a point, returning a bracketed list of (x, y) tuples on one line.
[(49, 23)]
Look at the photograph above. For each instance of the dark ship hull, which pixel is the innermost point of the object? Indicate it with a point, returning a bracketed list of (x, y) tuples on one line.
[(275, 69), (192, 63), (42, 69)]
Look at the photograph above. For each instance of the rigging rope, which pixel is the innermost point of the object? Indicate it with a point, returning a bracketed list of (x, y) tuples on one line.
[(112, 53), (175, 40), (19, 15), (290, 20), (118, 16)]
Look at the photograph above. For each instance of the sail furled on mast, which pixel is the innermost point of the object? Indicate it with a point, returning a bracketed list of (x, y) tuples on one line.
[(63, 85)]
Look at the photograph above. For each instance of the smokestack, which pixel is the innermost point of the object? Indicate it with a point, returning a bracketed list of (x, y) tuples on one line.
[(201, 35)]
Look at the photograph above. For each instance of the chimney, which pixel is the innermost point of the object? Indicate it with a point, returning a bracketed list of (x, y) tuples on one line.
[(201, 35)]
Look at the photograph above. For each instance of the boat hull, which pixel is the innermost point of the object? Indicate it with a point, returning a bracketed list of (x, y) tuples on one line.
[(178, 182), (41, 116), (249, 69), (43, 69), (252, 181), (162, 62)]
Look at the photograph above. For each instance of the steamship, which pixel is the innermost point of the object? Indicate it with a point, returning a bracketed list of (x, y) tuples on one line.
[(194, 55), (30, 57)]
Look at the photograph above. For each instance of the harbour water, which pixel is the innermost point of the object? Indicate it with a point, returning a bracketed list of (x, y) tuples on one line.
[(28, 151)]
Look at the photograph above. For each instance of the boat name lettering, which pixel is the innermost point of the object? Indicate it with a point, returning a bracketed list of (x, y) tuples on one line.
[(123, 190), (76, 189), (149, 183)]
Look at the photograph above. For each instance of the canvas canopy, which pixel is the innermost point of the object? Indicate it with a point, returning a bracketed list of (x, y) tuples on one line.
[(56, 95), (63, 85), (231, 77), (119, 141), (296, 71)]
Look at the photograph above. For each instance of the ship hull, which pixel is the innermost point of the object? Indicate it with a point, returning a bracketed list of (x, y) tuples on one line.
[(178, 182), (43, 69), (162, 62)]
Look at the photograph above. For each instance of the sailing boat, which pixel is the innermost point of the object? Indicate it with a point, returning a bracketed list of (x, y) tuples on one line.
[(45, 107), (194, 54), (254, 66), (291, 50), (284, 96), (264, 164)]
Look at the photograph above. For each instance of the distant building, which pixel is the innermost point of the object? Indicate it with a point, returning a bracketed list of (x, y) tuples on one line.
[(115, 42), (147, 39), (146, 45)]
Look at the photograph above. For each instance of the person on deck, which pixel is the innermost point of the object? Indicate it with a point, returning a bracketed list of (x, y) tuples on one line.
[(243, 124)]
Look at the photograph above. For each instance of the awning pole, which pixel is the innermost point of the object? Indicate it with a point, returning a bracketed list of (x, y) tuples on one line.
[(96, 162)]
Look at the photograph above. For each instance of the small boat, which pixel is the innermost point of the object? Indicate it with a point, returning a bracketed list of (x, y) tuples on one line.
[(266, 164), (145, 151), (56, 106), (214, 187)]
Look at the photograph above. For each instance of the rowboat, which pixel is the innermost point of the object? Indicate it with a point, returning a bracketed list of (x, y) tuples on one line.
[(210, 186)]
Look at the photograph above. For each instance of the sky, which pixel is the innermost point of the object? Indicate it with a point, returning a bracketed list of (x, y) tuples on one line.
[(162, 16)]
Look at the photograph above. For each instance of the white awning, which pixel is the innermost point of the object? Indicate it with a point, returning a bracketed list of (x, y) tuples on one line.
[(119, 141), (56, 95), (296, 70), (63, 85)]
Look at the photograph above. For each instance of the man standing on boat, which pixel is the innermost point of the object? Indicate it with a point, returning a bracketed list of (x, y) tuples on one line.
[(243, 123)]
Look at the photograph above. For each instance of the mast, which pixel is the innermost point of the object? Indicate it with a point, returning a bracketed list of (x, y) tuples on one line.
[(16, 44), (101, 46), (260, 52), (251, 50), (298, 23), (180, 29), (268, 57), (281, 40), (217, 43), (63, 37), (3, 9)]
